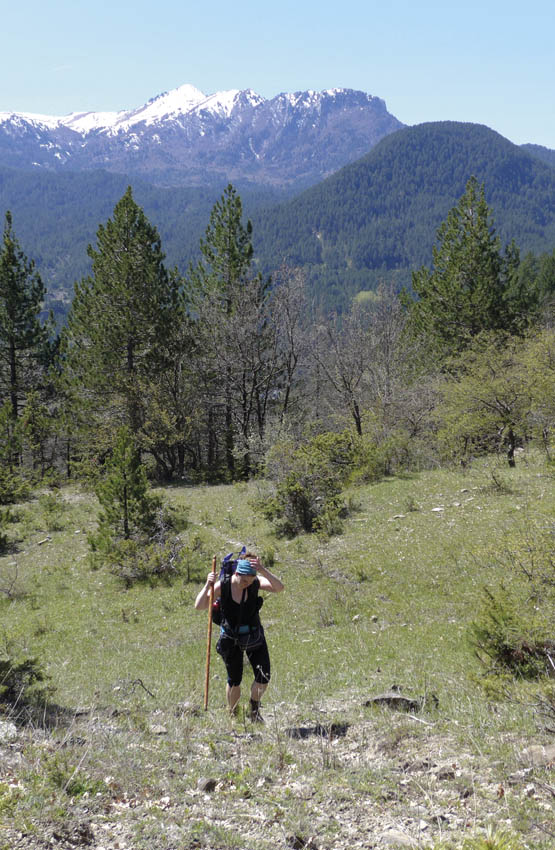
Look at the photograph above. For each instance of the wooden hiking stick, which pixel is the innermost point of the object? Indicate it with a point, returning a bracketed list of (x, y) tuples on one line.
[(209, 637)]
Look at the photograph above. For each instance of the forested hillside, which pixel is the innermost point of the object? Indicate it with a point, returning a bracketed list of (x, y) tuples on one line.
[(396, 457), (540, 152), (373, 220), (379, 215), (56, 216)]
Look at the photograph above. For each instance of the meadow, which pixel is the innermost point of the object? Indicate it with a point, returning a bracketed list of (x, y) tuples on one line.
[(124, 756)]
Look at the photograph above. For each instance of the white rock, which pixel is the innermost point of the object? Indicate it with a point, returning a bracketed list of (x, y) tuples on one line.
[(539, 756), (8, 732), (395, 838)]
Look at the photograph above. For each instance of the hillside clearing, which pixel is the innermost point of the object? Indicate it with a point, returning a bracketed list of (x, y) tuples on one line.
[(125, 758)]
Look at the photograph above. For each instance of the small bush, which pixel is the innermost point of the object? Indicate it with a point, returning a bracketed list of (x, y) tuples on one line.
[(22, 678), (14, 487), (508, 637), (52, 507), (137, 534), (308, 483), (493, 840), (160, 556), (62, 775)]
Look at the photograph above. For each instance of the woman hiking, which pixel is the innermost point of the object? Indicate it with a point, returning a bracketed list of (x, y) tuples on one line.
[(241, 629)]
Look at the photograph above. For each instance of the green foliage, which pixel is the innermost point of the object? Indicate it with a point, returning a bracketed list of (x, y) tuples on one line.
[(308, 481), (226, 250), (60, 773), (23, 337), (508, 637), (494, 839), (513, 632), (53, 508), (121, 316), (464, 293), (137, 534), (60, 241), (375, 457), (14, 482), (500, 391), (128, 508), (22, 677), (377, 218), (233, 336)]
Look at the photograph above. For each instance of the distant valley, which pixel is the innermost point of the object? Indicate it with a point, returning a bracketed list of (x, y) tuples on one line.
[(373, 217)]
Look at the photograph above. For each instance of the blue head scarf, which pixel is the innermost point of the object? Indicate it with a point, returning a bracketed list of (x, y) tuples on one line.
[(245, 568)]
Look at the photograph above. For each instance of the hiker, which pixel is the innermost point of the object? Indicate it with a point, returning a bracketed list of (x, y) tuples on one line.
[(241, 629)]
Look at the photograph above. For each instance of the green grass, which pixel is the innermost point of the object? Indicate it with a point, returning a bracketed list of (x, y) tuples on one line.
[(388, 601)]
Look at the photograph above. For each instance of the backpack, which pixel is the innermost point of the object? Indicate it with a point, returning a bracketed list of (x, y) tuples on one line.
[(227, 568)]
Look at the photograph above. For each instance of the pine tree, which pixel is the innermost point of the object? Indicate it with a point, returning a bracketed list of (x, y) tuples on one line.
[(23, 337), (465, 292), (229, 302), (226, 250), (123, 492), (122, 315)]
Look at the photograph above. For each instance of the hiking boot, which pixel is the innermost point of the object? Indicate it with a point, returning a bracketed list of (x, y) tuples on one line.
[(254, 712)]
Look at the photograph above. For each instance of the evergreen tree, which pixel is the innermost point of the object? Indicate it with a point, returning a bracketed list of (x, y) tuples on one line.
[(230, 306), (23, 337), (226, 250), (122, 315), (465, 292), (123, 492)]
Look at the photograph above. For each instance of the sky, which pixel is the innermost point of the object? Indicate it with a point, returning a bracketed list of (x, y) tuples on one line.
[(488, 62)]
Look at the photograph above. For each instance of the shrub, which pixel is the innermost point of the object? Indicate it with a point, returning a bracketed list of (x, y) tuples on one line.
[(52, 507), (308, 482), (509, 637), (22, 678), (513, 633), (14, 487), (128, 508), (497, 839), (158, 557), (137, 534)]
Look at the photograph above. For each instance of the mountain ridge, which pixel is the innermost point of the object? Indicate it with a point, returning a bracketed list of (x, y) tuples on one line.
[(372, 220), (377, 218), (184, 137)]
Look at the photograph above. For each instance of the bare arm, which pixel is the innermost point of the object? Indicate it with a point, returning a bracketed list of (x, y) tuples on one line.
[(268, 581), (201, 602)]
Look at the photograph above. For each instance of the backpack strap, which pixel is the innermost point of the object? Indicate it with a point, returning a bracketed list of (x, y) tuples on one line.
[(252, 610)]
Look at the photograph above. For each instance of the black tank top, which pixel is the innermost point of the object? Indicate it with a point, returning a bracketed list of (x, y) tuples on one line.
[(231, 610)]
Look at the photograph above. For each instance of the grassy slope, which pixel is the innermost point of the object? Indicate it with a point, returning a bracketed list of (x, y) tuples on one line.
[(389, 601)]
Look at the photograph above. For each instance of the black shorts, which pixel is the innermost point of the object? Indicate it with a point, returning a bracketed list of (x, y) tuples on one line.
[(233, 659)]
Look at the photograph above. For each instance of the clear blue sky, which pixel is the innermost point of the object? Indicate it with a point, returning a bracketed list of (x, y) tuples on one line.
[(490, 62)]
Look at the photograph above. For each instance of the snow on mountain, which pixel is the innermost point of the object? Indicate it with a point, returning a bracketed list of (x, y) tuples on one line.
[(165, 107), (49, 122), (86, 122), (184, 136)]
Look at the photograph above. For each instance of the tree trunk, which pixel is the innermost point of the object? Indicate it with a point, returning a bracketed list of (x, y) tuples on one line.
[(512, 445)]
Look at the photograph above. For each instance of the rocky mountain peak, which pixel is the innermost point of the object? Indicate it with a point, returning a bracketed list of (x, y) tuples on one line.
[(186, 137)]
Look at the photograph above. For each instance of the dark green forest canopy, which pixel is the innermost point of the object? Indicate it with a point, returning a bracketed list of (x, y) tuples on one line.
[(382, 212), (540, 152), (373, 220), (57, 216)]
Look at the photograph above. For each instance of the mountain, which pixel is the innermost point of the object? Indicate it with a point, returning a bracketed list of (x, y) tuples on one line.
[(374, 219), (184, 137), (378, 217), (541, 153)]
